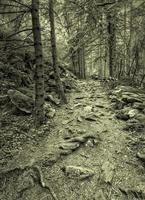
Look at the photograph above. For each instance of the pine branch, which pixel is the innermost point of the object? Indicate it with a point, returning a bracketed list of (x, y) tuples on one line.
[(20, 47), (12, 20), (22, 4), (13, 40), (13, 12), (9, 5), (24, 30)]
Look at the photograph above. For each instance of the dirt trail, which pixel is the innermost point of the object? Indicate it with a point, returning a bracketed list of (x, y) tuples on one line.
[(118, 175)]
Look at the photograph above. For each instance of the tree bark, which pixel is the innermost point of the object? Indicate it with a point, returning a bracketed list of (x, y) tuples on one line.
[(39, 70), (54, 53), (125, 38), (130, 40), (112, 43)]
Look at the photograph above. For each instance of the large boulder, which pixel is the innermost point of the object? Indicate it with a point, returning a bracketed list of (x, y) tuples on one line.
[(130, 89), (131, 98), (128, 94), (130, 103), (21, 101)]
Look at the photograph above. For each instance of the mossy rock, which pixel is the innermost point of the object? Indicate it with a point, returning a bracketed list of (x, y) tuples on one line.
[(21, 101)]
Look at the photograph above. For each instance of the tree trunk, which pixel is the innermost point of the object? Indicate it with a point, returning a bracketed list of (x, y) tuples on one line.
[(83, 62), (112, 43), (130, 39), (54, 53), (99, 62), (39, 71), (125, 38)]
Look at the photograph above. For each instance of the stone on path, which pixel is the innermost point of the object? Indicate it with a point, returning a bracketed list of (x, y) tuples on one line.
[(79, 139), (108, 171), (91, 117), (141, 156), (69, 145), (49, 111), (77, 172), (88, 109), (52, 99), (79, 118)]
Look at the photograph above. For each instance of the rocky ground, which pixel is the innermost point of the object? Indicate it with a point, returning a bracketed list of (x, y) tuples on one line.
[(93, 149)]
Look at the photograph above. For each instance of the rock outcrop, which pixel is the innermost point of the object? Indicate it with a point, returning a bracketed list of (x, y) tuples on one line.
[(129, 104)]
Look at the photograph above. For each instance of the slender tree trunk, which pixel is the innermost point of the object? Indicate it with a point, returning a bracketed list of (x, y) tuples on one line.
[(79, 61), (54, 53), (92, 65), (130, 39), (83, 62), (100, 64), (72, 58), (39, 71), (80, 51), (112, 43), (125, 39)]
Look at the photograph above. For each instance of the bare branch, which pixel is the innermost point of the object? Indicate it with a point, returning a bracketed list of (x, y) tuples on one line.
[(18, 32), (13, 12), (22, 4), (9, 5), (24, 46)]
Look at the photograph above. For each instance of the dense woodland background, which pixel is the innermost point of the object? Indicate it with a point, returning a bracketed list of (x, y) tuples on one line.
[(102, 37)]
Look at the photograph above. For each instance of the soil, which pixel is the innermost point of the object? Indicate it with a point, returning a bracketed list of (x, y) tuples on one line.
[(33, 166)]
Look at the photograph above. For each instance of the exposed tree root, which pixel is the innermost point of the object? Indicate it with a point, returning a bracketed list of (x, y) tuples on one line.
[(35, 173)]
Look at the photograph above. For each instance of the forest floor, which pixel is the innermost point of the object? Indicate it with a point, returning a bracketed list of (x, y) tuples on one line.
[(86, 155)]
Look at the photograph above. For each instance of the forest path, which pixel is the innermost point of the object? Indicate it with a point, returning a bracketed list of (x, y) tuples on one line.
[(101, 166), (116, 167)]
